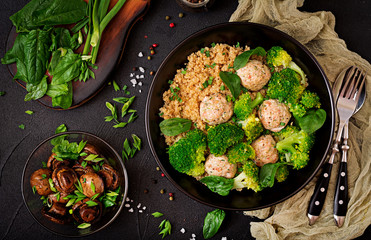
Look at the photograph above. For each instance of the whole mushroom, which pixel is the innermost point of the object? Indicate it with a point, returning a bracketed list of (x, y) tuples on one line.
[(40, 181), (80, 170), (53, 163), (83, 213), (91, 184), (64, 179), (58, 197), (57, 213), (109, 176)]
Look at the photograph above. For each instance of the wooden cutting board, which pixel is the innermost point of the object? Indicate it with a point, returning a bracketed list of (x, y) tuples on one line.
[(110, 53)]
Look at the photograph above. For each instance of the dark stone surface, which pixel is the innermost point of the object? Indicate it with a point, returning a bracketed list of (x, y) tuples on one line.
[(353, 19)]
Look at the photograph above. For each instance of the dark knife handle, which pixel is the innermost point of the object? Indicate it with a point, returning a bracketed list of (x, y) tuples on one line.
[(320, 191), (341, 192)]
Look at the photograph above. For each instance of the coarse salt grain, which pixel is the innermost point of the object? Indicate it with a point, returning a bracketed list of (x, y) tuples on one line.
[(127, 199), (139, 205), (224, 238), (141, 69), (131, 210), (144, 208), (131, 74), (137, 76), (193, 235), (133, 81), (141, 211), (131, 200), (141, 76), (140, 54), (182, 230), (140, 91), (140, 83), (127, 205)]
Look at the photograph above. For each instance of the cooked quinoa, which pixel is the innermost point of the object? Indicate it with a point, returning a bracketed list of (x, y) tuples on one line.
[(187, 89)]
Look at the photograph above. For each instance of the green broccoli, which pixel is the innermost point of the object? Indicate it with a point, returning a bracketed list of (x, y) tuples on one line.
[(276, 56), (310, 100), (248, 178), (244, 105), (223, 136), (294, 146), (252, 127), (240, 153), (297, 69), (282, 173), (188, 153)]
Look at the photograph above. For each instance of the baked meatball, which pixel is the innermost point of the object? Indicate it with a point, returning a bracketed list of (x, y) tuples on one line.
[(265, 151), (219, 166), (274, 115), (254, 76), (215, 109)]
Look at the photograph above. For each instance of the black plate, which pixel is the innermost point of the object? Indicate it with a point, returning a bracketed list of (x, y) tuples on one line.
[(253, 35)]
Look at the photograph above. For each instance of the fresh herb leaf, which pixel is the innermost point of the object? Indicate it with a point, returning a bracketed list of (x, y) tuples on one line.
[(61, 38), (64, 101), (44, 164), (84, 225), (21, 126), (217, 184), (238, 45), (165, 228), (184, 71), (95, 196), (34, 189), (267, 174), (57, 90), (2, 93), (29, 112), (51, 184), (126, 106), (43, 176), (210, 66), (207, 53), (92, 186), (36, 91), (222, 87), (81, 146), (67, 69), (157, 214), (84, 164), (121, 99), (115, 86), (312, 120), (212, 223), (232, 81), (91, 203), (213, 44), (241, 60), (137, 141), (120, 125), (133, 116), (175, 126)]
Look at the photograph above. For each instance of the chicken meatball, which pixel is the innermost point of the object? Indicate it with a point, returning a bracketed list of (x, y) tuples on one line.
[(254, 75), (265, 151), (219, 166), (215, 109), (274, 115)]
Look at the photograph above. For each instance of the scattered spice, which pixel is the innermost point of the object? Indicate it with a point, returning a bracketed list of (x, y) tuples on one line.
[(171, 198), (167, 18), (140, 54), (134, 68), (162, 191), (145, 36), (171, 194), (21, 126), (29, 112), (152, 52), (157, 168), (171, 25), (145, 191), (181, 15), (149, 58), (162, 175), (154, 45), (151, 73)]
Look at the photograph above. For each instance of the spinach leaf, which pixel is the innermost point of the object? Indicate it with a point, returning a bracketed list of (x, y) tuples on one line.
[(212, 223), (57, 90), (241, 60), (217, 184), (232, 81), (61, 38), (31, 53), (56, 57), (38, 13), (67, 69), (175, 126), (64, 101), (312, 120), (58, 140), (36, 91), (267, 174)]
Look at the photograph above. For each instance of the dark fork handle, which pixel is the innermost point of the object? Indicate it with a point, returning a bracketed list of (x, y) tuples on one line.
[(341, 192), (320, 191)]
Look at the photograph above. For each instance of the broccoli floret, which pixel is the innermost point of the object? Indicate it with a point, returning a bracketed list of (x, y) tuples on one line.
[(297, 69), (248, 178), (294, 146), (223, 136), (276, 56), (240, 153), (188, 153), (252, 127), (298, 110), (310, 100), (244, 105), (282, 173)]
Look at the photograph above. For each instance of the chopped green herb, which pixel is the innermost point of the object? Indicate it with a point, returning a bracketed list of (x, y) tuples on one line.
[(44, 164), (2, 93), (96, 168), (84, 225), (92, 186), (282, 123), (43, 176), (121, 99), (202, 50), (157, 214), (115, 86), (70, 211), (165, 228), (84, 164), (133, 116), (223, 53), (213, 44), (58, 196), (120, 125), (29, 112), (238, 45), (170, 82), (184, 71), (207, 53), (112, 194), (34, 189), (222, 87), (126, 106), (51, 184), (94, 197), (161, 114), (21, 126), (210, 66), (91, 203), (125, 91)]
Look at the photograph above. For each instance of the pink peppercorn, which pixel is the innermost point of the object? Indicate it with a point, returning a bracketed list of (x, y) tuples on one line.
[(172, 25), (162, 175), (171, 194), (154, 45)]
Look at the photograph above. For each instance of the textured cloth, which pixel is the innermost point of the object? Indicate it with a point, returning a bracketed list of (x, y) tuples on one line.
[(288, 220)]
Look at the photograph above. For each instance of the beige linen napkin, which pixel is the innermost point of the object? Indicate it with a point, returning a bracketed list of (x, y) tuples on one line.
[(316, 31)]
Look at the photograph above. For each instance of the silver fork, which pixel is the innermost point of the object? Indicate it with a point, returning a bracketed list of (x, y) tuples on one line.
[(346, 104)]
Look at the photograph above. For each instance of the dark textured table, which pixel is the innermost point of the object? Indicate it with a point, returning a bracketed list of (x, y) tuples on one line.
[(353, 25)]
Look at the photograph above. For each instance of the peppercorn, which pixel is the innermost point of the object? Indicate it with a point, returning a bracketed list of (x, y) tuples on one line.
[(157, 168), (171, 25), (152, 52), (151, 73), (154, 45), (162, 191), (149, 58), (181, 15), (167, 18), (145, 36), (134, 68), (171, 198), (162, 175), (145, 191), (171, 194)]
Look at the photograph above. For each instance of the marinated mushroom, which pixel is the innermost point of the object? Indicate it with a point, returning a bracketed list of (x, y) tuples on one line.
[(80, 170), (91, 184), (64, 179), (83, 213), (89, 149), (58, 197), (57, 213), (53, 163), (109, 176), (40, 181)]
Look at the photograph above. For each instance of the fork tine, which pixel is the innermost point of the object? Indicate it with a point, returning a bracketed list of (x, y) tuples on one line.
[(355, 89), (360, 88), (353, 83), (347, 79)]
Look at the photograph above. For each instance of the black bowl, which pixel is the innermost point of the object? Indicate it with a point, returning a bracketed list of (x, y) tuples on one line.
[(253, 35), (34, 204)]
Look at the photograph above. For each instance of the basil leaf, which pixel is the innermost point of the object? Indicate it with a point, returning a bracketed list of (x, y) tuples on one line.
[(267, 174), (241, 60), (217, 184), (38, 13), (31, 53), (212, 223), (233, 82), (67, 69), (57, 90), (175, 126), (64, 101), (312, 120), (36, 91)]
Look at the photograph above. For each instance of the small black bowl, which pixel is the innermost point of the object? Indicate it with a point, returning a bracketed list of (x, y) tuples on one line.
[(34, 204), (253, 35)]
